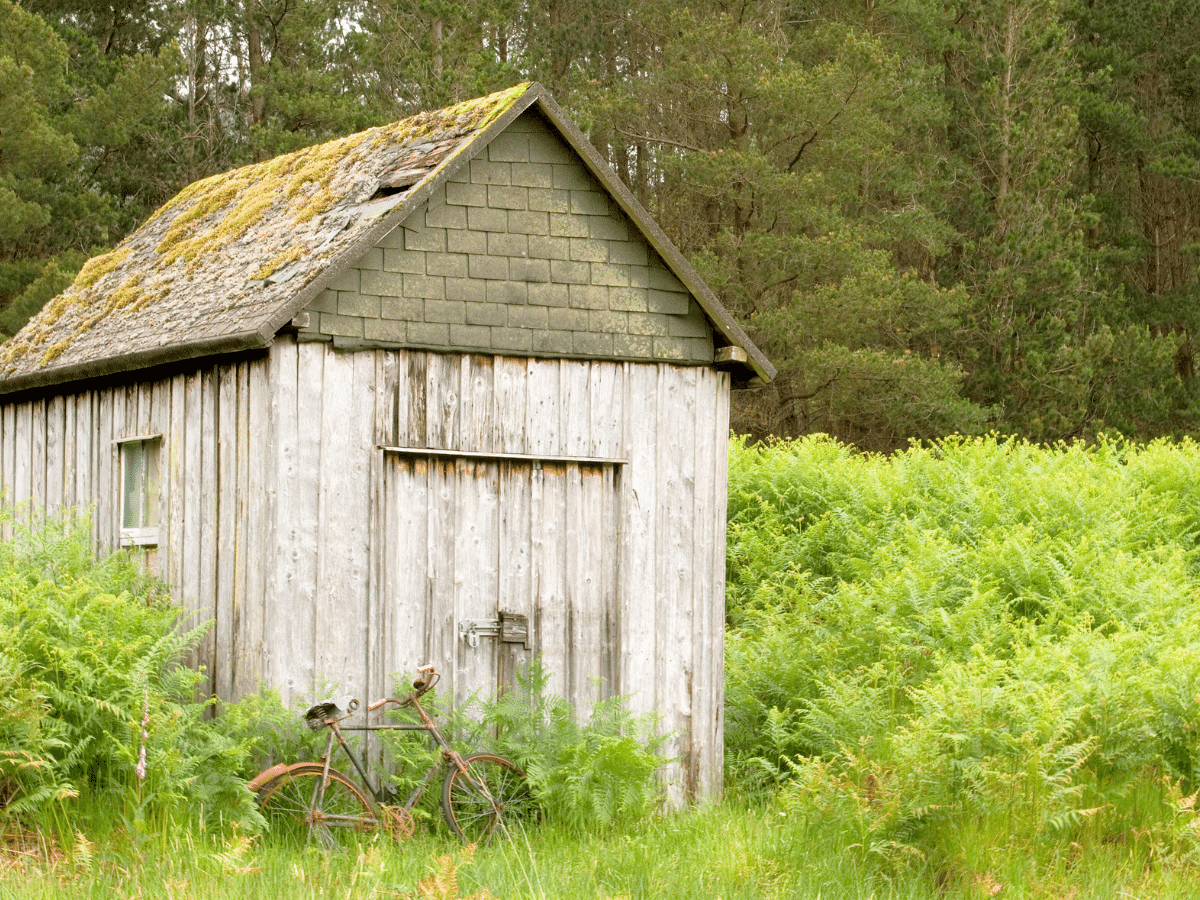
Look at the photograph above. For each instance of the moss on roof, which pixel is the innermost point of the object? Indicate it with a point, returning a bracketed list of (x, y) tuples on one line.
[(195, 269)]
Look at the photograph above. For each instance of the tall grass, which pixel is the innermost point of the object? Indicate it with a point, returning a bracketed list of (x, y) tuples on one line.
[(979, 644)]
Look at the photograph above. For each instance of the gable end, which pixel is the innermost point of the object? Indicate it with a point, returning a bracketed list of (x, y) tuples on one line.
[(521, 251)]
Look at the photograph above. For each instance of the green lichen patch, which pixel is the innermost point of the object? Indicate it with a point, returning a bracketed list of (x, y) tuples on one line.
[(99, 266), (278, 261)]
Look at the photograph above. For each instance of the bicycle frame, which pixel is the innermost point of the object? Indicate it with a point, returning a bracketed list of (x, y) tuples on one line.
[(378, 790), (465, 778)]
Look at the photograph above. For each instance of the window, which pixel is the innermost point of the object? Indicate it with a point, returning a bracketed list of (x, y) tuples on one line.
[(139, 491)]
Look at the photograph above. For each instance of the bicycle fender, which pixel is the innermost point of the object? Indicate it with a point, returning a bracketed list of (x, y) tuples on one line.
[(259, 781)]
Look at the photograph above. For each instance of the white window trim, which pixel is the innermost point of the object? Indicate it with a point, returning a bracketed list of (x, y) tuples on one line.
[(136, 536)]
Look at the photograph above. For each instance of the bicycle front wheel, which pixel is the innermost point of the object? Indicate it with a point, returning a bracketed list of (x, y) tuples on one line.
[(491, 796), (297, 809)]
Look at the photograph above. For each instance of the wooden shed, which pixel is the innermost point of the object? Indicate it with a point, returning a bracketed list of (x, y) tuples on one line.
[(436, 392)]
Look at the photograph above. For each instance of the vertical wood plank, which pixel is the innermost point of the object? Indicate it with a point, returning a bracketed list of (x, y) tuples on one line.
[(511, 379), (191, 509), (476, 573), (439, 548), (477, 404), (224, 442), (303, 515), (8, 454), (85, 456), (516, 579), (548, 566), (676, 476), (208, 510), (106, 459), (70, 450), (541, 425), (391, 406), (585, 604), (605, 392), (714, 764), (415, 434), (258, 529), (705, 505), (37, 486), (639, 526), (347, 431), (406, 613), (281, 609), (174, 485), (56, 436), (574, 415), (443, 387)]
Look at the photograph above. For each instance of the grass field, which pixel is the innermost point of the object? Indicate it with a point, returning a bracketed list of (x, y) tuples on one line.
[(968, 670), (727, 851)]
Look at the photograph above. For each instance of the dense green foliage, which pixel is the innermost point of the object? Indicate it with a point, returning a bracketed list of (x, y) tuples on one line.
[(96, 716), (935, 217), (978, 647), (588, 776)]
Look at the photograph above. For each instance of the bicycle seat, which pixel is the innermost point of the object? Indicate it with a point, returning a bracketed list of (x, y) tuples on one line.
[(317, 714)]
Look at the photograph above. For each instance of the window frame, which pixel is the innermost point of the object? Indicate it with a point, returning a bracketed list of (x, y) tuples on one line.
[(146, 533)]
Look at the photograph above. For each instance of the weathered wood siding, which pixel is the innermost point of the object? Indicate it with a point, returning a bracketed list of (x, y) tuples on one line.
[(214, 500), (329, 563)]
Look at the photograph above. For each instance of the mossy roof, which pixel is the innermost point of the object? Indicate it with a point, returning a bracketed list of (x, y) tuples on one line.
[(232, 258)]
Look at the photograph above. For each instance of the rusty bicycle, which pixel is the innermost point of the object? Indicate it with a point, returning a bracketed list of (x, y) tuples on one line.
[(312, 802)]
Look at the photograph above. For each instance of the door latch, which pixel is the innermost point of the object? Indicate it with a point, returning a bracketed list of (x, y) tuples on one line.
[(511, 628)]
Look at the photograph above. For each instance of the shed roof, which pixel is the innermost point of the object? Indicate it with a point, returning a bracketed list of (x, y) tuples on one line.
[(231, 259)]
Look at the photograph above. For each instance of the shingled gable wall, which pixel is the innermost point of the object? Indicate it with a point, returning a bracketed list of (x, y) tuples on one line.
[(522, 251)]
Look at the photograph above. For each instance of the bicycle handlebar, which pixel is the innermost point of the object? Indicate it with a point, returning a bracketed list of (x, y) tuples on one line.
[(426, 679)]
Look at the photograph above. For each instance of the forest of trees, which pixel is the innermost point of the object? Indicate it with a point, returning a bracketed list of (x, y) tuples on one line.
[(935, 216)]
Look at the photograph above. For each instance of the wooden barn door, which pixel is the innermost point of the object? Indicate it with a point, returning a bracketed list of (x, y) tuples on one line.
[(487, 563)]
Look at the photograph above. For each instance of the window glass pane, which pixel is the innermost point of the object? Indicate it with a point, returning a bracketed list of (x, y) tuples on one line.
[(133, 464)]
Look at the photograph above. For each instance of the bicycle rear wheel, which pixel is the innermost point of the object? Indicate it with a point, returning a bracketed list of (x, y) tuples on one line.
[(295, 809), (491, 796)]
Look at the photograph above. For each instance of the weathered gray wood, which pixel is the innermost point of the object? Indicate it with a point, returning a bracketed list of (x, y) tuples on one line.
[(256, 540), (406, 613), (575, 415), (416, 428), (391, 406), (224, 444), (56, 437), (516, 579), (206, 512), (704, 526), (511, 378), (174, 485), (303, 515), (443, 382), (605, 394), (583, 586), (676, 461), (639, 527), (548, 563), (541, 427), (37, 486), (440, 507), (8, 454), (281, 610), (70, 450), (476, 573), (476, 404), (327, 559), (712, 763), (106, 481)]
